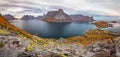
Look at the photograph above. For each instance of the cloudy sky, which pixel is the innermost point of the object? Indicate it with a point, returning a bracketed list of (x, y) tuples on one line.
[(99, 9)]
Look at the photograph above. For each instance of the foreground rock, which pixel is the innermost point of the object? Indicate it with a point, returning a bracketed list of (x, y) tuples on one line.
[(12, 46), (16, 47)]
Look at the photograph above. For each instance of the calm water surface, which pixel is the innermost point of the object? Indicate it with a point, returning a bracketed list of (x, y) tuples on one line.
[(54, 30)]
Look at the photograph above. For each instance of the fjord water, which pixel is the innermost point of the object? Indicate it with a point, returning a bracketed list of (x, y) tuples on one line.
[(53, 30)]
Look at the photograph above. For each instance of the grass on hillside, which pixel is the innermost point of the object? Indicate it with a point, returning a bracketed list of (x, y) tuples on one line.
[(4, 23), (4, 32), (91, 36)]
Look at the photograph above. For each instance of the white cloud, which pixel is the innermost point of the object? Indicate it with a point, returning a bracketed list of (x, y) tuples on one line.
[(99, 7), (15, 9)]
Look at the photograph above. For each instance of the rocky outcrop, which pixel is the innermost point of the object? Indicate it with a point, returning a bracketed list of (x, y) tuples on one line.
[(13, 46), (81, 18), (9, 17), (16, 47), (57, 16)]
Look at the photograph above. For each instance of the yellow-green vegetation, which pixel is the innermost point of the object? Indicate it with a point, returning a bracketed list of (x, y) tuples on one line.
[(6, 24), (1, 45), (31, 46), (97, 32), (49, 43), (4, 32), (62, 55), (91, 36), (23, 34)]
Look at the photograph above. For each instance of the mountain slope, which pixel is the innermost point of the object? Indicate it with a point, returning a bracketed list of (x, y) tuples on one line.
[(5, 24)]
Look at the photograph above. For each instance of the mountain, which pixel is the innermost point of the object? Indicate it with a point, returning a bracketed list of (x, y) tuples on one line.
[(9, 17), (81, 18), (61, 16), (27, 17), (57, 16)]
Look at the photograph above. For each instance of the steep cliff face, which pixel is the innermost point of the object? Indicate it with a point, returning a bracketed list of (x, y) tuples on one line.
[(81, 18), (57, 16)]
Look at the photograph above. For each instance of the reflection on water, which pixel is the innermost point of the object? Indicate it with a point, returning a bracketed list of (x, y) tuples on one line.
[(54, 30)]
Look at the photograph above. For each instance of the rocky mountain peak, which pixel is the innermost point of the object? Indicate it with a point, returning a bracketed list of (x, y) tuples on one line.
[(57, 16)]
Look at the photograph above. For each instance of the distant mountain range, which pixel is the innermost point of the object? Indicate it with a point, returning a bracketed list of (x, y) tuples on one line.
[(9, 17), (81, 18), (55, 16), (28, 17), (25, 17)]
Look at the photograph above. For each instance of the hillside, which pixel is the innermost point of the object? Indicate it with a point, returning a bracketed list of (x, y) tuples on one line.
[(15, 42), (5, 24)]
